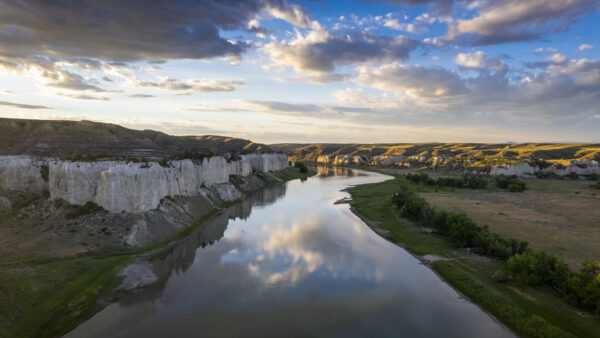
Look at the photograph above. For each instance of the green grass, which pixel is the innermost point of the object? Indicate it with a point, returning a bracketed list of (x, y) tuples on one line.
[(510, 313), (530, 312), (50, 299)]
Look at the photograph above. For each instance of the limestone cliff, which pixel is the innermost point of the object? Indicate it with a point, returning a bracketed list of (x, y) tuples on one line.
[(126, 186)]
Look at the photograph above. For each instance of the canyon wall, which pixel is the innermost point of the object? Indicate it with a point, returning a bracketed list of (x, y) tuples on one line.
[(126, 186)]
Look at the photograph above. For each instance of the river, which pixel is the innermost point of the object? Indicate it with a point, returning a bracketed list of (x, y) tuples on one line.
[(287, 262)]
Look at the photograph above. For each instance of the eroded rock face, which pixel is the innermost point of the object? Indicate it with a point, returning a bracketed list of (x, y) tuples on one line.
[(523, 170), (22, 173), (526, 170), (579, 168), (131, 187)]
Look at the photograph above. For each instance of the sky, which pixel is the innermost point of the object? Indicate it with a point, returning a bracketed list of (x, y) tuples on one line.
[(275, 71)]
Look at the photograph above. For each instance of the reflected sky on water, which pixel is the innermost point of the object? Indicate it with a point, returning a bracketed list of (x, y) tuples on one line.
[(287, 262)]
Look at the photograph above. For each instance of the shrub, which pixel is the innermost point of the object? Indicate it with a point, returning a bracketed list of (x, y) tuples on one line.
[(465, 182), (417, 209), (510, 183), (462, 230), (302, 166), (581, 289), (80, 210)]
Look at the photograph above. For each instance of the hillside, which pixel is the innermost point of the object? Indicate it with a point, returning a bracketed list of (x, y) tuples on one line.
[(540, 151), (68, 138)]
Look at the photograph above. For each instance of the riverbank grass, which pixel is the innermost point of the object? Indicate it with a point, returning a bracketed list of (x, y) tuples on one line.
[(530, 312)]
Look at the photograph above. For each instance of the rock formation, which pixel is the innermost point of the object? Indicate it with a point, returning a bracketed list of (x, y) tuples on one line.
[(126, 186)]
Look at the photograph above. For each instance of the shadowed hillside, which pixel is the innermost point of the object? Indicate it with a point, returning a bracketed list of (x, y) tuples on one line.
[(66, 138)]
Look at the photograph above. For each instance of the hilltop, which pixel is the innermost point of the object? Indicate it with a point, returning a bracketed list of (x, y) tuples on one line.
[(86, 138), (501, 152)]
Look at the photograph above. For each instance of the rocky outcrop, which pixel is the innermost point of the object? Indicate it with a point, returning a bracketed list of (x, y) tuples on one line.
[(131, 187), (23, 173), (522, 170), (528, 170), (579, 168)]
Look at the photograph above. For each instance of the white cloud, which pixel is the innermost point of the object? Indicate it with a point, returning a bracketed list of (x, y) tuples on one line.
[(586, 46), (322, 51), (478, 60), (516, 20)]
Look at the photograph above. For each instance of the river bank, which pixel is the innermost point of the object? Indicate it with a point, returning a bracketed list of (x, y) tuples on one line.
[(45, 294), (529, 312)]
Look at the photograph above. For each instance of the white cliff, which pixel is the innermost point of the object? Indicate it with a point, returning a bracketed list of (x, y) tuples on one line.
[(523, 170), (22, 173), (132, 187)]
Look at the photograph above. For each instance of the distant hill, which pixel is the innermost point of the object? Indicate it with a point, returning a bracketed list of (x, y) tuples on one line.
[(545, 151), (67, 138)]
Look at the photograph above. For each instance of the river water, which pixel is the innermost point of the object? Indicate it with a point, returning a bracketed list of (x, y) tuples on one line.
[(287, 262)]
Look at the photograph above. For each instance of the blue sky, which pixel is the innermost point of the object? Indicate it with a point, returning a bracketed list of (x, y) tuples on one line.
[(310, 71)]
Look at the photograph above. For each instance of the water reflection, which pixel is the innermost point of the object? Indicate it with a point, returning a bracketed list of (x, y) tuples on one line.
[(291, 263), (325, 171)]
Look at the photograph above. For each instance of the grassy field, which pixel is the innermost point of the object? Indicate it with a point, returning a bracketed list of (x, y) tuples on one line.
[(561, 217), (531, 312)]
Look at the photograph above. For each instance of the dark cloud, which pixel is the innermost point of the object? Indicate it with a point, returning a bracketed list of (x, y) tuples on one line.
[(21, 105), (131, 30), (71, 81), (435, 6)]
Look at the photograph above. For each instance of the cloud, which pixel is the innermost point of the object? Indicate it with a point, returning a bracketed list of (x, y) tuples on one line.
[(515, 20), (586, 47), (413, 81), (141, 96), (554, 59), (322, 51), (85, 97), (284, 108), (291, 13), (135, 30), (418, 26), (478, 60), (319, 78), (442, 7), (21, 105), (190, 85), (67, 80)]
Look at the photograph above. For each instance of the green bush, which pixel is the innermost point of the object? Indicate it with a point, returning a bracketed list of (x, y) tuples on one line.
[(465, 182), (510, 183), (458, 226), (581, 289), (302, 166), (519, 320)]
